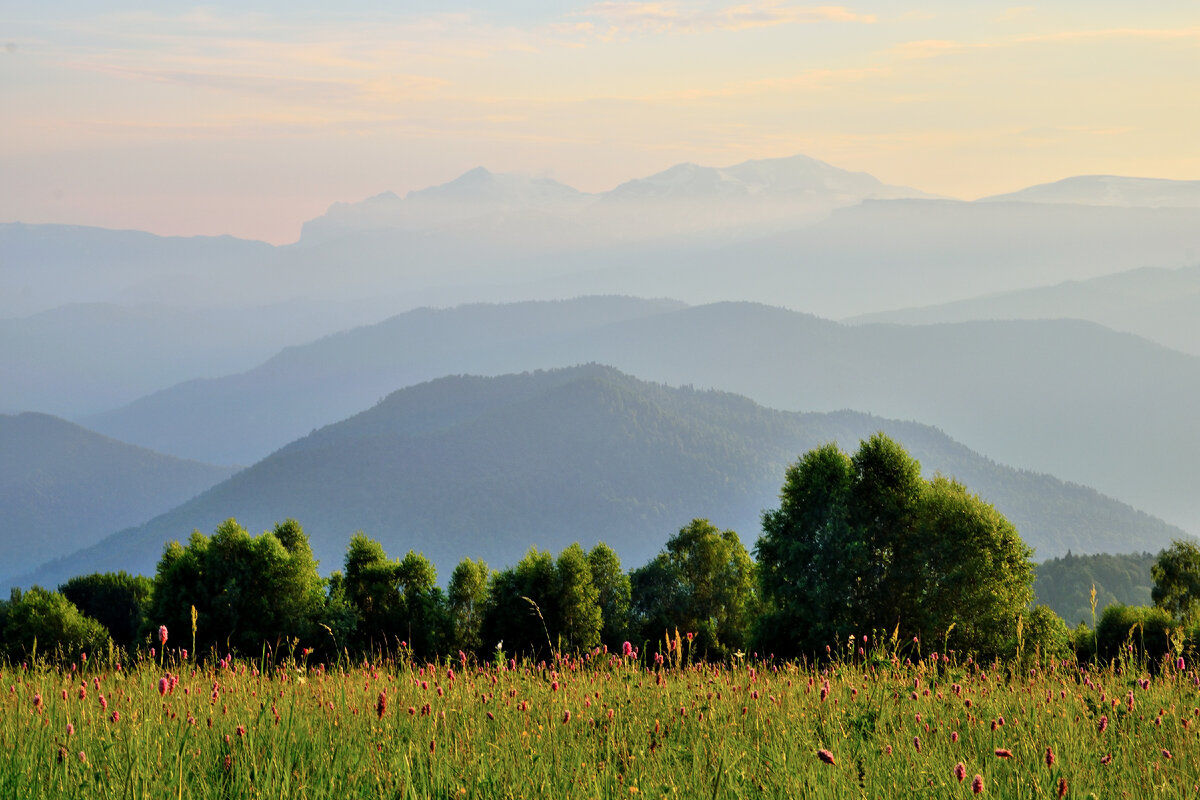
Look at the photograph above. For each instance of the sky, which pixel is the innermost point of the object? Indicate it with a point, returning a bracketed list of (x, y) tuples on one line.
[(250, 118)]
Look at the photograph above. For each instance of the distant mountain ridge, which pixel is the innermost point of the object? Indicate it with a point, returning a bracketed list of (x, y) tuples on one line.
[(1108, 190), (1067, 398), (63, 487), (486, 467), (1162, 305), (683, 198)]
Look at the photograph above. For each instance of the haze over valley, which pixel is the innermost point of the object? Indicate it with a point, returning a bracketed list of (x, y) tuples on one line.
[(1076, 357)]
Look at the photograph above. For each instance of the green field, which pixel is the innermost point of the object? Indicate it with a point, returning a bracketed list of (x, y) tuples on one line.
[(894, 723)]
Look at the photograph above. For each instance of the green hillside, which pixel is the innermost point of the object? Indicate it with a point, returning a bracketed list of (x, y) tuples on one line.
[(63, 487), (487, 467)]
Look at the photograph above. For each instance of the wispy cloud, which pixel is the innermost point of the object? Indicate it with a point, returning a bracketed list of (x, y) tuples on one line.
[(614, 17), (931, 48)]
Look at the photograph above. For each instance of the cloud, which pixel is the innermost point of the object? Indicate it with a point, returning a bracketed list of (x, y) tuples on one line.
[(616, 17), (931, 48)]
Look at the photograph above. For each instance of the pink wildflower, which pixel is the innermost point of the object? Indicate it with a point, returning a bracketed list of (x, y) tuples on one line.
[(977, 784), (826, 756), (960, 772)]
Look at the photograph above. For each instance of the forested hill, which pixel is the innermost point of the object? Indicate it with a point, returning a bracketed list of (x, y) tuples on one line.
[(63, 487), (487, 467)]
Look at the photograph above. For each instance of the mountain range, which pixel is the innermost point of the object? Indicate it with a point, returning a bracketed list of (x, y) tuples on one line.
[(1108, 190), (62, 486), (486, 467), (1162, 305), (1069, 398)]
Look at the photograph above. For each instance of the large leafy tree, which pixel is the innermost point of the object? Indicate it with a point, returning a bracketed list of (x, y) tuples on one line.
[(1176, 575), (396, 601), (702, 583), (247, 591), (50, 624), (467, 597), (579, 619), (117, 600), (613, 594), (863, 544), (522, 608)]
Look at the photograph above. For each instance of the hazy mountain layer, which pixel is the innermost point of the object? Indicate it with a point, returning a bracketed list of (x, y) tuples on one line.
[(86, 358), (1162, 305), (46, 266), (1108, 190), (539, 214), (1069, 398), (241, 418), (63, 487), (486, 467), (884, 254)]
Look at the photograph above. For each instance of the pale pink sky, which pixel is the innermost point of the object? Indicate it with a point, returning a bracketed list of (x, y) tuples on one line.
[(206, 120)]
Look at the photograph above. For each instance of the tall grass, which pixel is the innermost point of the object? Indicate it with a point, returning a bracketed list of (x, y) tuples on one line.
[(893, 723)]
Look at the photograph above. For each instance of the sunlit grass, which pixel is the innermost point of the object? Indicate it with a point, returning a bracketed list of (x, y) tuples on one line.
[(893, 724)]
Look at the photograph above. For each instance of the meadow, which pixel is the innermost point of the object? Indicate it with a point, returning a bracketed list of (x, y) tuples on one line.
[(879, 719)]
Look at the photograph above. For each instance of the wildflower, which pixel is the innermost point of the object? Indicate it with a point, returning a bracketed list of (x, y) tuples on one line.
[(960, 772), (162, 634), (977, 784), (953, 736), (1166, 753), (381, 704), (1049, 757), (566, 716), (1179, 664), (826, 756), (917, 743), (1106, 759), (1062, 788), (37, 702), (82, 757), (1002, 752), (162, 686), (116, 716), (70, 729), (887, 751)]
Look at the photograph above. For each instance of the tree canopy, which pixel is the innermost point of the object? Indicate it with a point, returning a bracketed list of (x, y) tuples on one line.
[(1176, 575), (863, 544), (701, 583)]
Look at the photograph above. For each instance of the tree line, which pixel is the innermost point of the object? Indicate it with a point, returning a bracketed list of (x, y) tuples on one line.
[(861, 544)]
